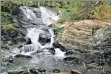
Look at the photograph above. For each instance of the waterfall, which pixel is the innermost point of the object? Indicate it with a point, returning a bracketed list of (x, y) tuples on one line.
[(28, 13), (48, 18)]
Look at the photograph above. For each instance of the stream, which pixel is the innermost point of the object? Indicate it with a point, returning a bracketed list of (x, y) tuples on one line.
[(40, 51)]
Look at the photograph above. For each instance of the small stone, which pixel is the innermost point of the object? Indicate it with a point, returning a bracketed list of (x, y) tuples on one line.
[(76, 72), (34, 71), (41, 70), (10, 60), (69, 58), (56, 71)]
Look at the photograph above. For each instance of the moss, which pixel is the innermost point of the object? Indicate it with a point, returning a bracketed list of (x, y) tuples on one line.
[(8, 27)]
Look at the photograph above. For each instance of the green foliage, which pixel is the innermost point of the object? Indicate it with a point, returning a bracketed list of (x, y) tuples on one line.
[(7, 6), (5, 14), (75, 10), (6, 24), (72, 10), (25, 3), (58, 30), (103, 11), (79, 10)]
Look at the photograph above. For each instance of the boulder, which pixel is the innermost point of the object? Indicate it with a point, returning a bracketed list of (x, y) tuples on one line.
[(83, 35)]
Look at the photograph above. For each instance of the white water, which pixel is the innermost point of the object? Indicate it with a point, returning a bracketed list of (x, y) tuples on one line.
[(59, 54), (33, 34), (28, 13), (48, 17)]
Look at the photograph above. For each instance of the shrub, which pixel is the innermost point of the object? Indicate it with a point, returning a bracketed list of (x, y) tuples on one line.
[(103, 11), (79, 10), (5, 14), (6, 24)]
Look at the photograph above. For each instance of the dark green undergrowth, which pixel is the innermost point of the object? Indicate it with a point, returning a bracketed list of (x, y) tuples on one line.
[(79, 10)]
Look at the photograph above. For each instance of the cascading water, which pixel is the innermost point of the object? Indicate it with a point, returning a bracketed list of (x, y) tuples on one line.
[(28, 13), (42, 46), (48, 17)]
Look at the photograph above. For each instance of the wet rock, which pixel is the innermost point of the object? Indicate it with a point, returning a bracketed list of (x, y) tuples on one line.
[(69, 58), (88, 58), (20, 46), (15, 21), (73, 59), (3, 46), (61, 73), (52, 50), (10, 60), (107, 53), (103, 35), (56, 71), (101, 62), (69, 53), (44, 37), (28, 41), (22, 19), (58, 45), (21, 39), (11, 38), (41, 70), (34, 71), (21, 55), (43, 41)]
